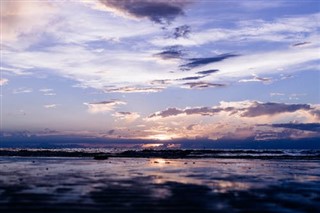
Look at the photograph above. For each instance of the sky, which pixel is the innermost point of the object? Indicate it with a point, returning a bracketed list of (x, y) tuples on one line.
[(160, 70)]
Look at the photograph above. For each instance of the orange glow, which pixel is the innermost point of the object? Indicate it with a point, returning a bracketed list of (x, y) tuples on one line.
[(161, 137), (153, 145)]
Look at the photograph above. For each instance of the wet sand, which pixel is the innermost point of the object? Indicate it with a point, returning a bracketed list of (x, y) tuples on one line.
[(57, 184)]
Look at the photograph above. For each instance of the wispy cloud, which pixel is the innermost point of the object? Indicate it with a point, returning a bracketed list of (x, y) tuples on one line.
[(207, 72), (202, 85), (134, 89), (3, 81), (104, 106), (191, 78), (47, 92), (256, 79), (276, 94), (172, 52), (301, 44), (22, 90), (196, 62), (50, 106), (23, 17), (126, 116), (15, 71), (286, 30)]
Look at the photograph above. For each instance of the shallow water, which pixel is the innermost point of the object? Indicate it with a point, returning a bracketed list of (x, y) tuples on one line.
[(158, 185)]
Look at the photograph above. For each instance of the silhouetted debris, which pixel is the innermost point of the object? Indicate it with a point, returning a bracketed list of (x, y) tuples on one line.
[(101, 157)]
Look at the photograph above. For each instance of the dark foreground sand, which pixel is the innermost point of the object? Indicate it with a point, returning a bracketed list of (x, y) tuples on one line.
[(157, 185)]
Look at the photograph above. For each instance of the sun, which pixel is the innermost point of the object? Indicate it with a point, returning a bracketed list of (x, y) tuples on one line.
[(162, 137)]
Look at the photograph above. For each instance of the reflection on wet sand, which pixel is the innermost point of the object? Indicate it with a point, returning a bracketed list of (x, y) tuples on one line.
[(158, 185)]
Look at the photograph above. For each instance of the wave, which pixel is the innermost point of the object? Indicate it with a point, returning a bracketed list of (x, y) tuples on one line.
[(166, 153)]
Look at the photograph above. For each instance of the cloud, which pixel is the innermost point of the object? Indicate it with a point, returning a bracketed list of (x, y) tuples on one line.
[(259, 109), (203, 111), (231, 120), (15, 71), (256, 79), (50, 94), (168, 112), (126, 116), (172, 52), (191, 78), (301, 44), (243, 109), (104, 106), (47, 92), (207, 72), (22, 90), (158, 11), (276, 94), (161, 82), (315, 127), (3, 81), (269, 62), (182, 31), (202, 85), (24, 17), (196, 62), (296, 96), (132, 89), (50, 106), (284, 29)]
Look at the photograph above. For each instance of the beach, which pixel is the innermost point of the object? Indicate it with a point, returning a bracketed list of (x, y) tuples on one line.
[(82, 184)]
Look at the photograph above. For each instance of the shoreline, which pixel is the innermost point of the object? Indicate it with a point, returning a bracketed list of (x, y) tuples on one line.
[(170, 154)]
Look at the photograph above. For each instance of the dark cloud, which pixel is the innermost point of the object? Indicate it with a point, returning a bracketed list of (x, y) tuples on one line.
[(258, 109), (105, 102), (190, 127), (315, 127), (158, 11), (124, 113), (205, 111), (196, 62), (110, 132), (301, 44), (263, 79), (202, 111), (172, 52), (160, 82), (182, 31), (207, 72), (167, 113), (191, 78), (202, 85), (254, 109)]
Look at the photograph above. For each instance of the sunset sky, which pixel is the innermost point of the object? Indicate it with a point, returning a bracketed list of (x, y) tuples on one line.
[(160, 69)]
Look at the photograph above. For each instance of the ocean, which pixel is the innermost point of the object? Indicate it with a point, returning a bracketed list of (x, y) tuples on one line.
[(71, 180)]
